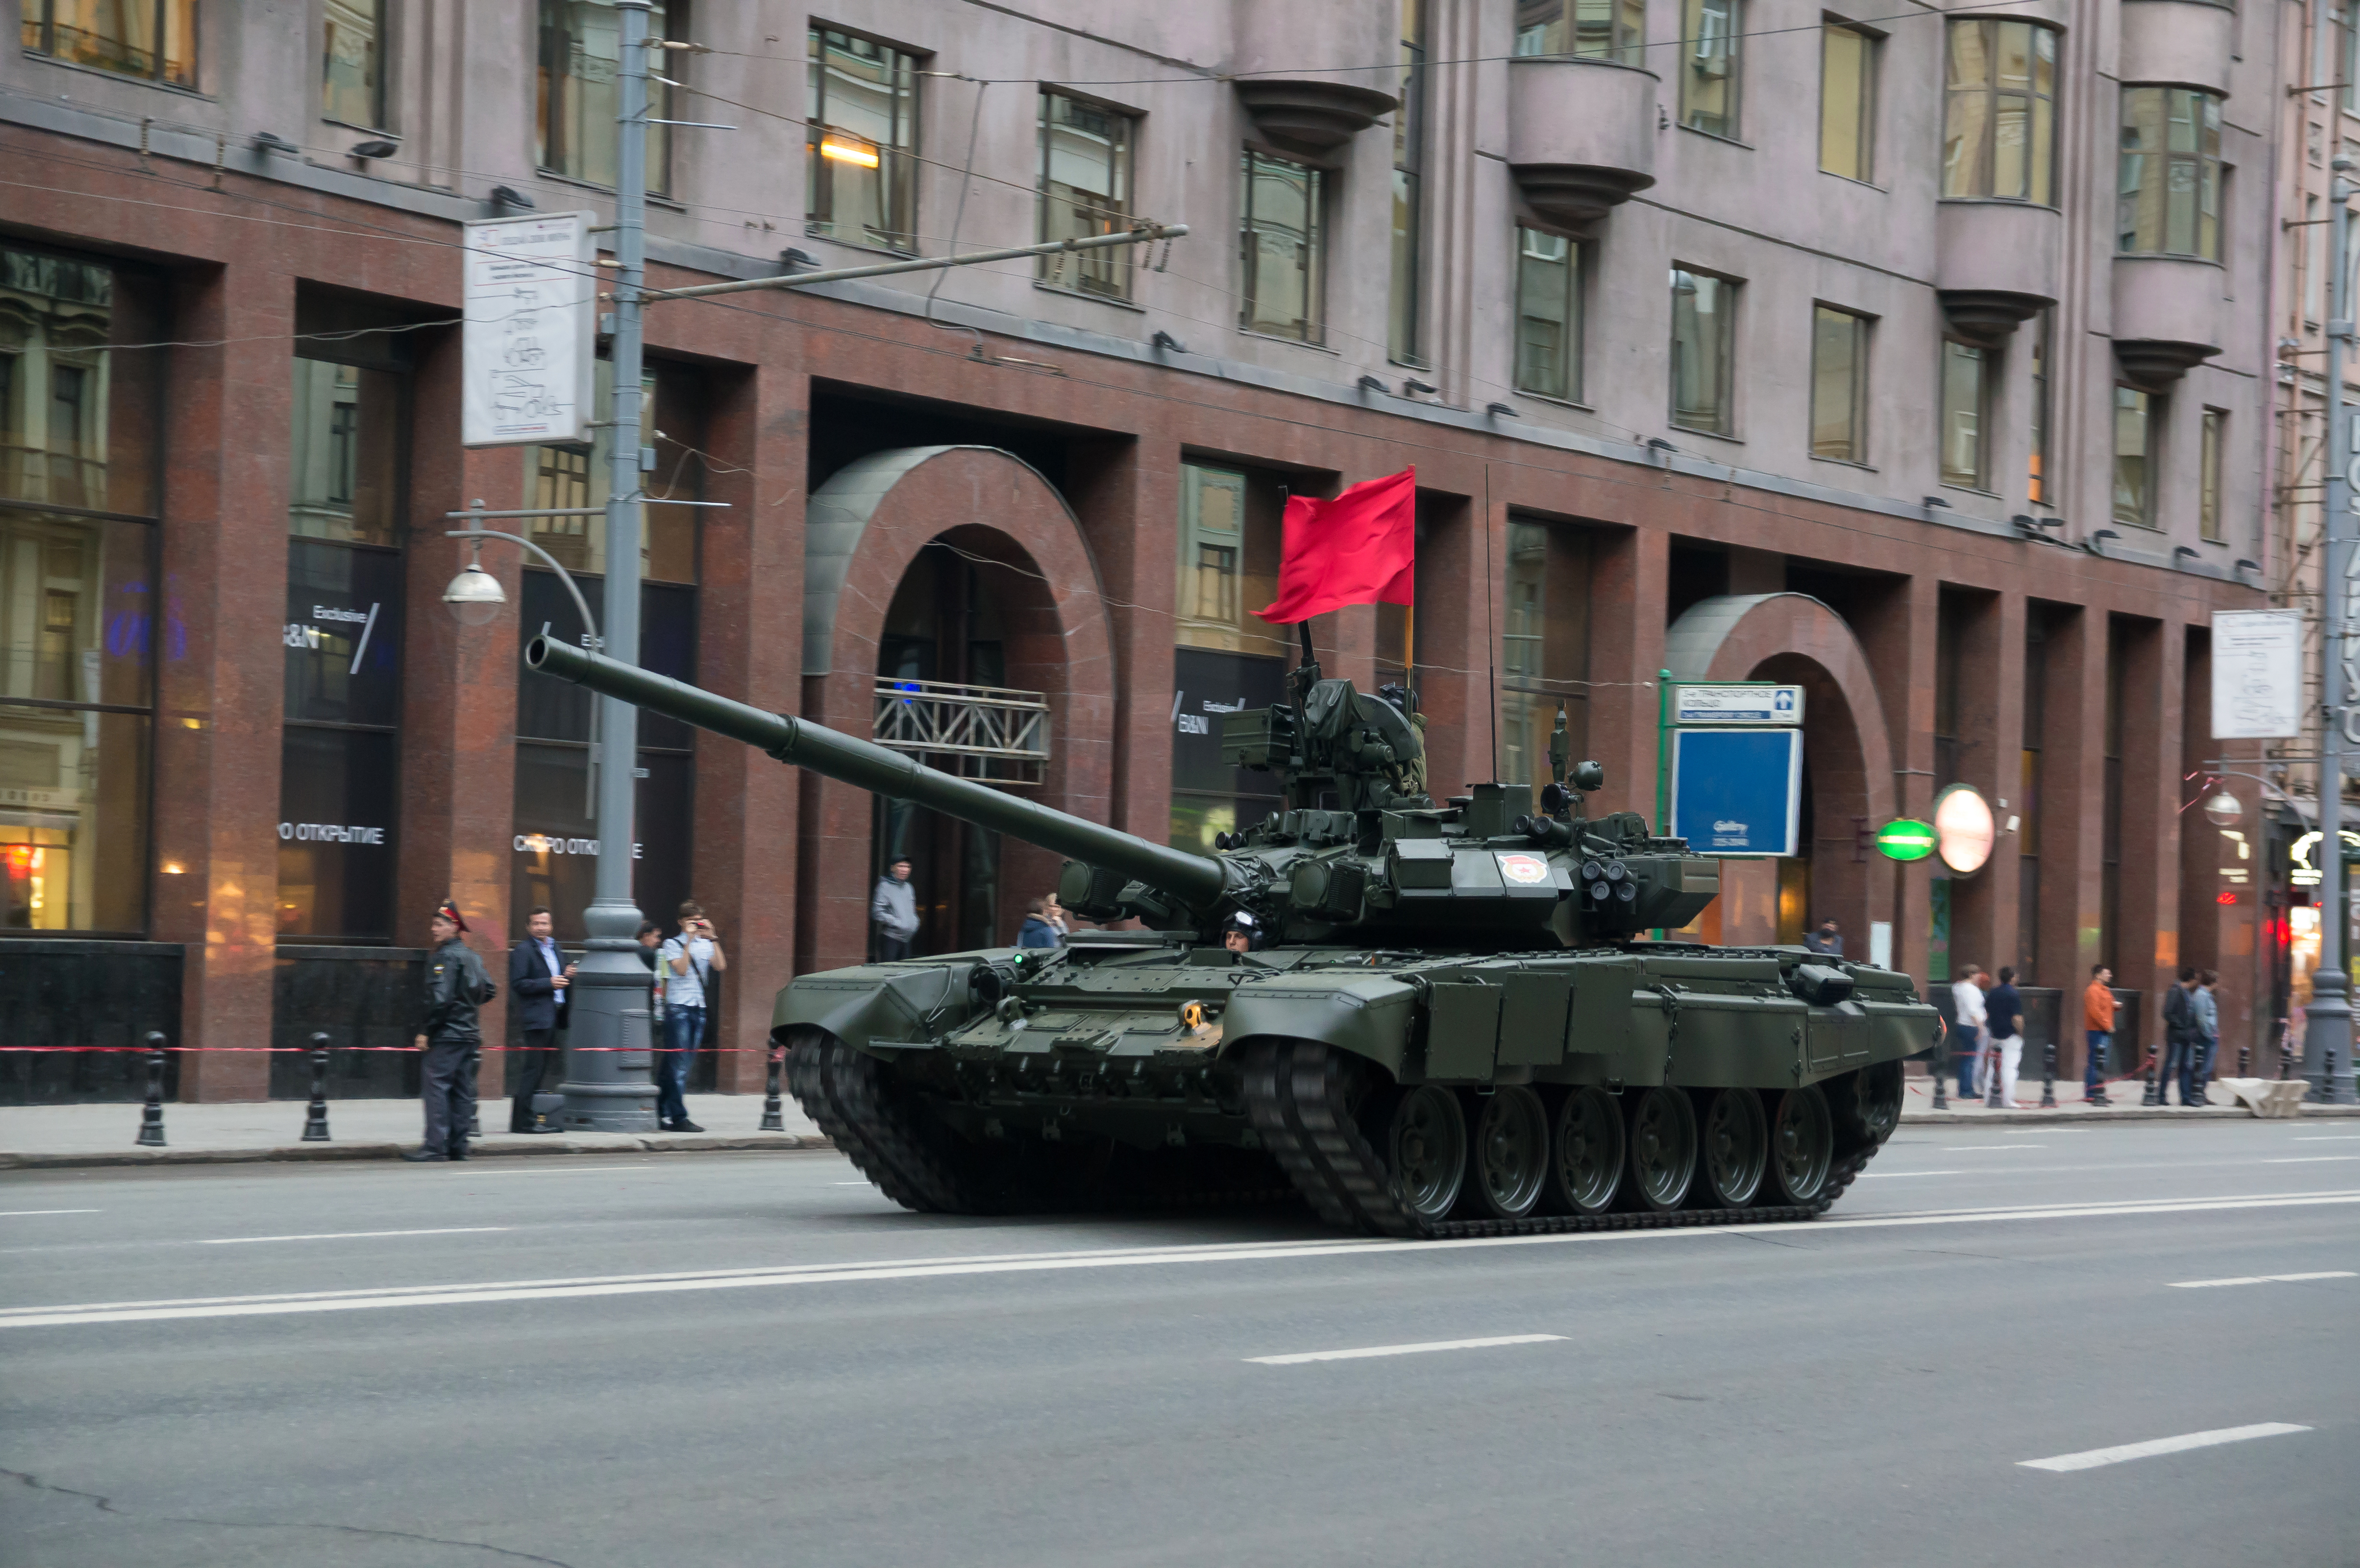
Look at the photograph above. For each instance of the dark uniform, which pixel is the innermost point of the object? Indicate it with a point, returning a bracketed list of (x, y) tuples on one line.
[(456, 987)]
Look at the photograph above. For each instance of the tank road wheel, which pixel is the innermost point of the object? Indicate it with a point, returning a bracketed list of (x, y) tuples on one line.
[(1425, 1146), (1661, 1135), (1585, 1167), (1508, 1162), (1736, 1152), (1866, 1106), (1802, 1146)]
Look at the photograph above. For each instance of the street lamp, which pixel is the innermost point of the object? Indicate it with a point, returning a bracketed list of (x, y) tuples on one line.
[(2220, 811), (476, 596)]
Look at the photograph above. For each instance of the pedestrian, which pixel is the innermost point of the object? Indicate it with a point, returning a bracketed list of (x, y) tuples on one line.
[(1827, 940), (893, 911), (1967, 1016), (2178, 1035), (451, 1036), (2005, 1007), (2097, 1033), (539, 978), (2207, 1039), (1038, 930), (687, 962)]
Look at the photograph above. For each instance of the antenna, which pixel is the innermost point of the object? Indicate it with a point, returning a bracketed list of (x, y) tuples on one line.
[(1490, 632)]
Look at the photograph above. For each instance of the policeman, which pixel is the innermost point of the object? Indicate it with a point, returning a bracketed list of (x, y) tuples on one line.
[(456, 987)]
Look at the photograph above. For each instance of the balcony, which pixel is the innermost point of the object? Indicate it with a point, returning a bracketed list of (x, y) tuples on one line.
[(986, 733), (2183, 43), (1310, 110), (2167, 313), (1997, 264), (1582, 135)]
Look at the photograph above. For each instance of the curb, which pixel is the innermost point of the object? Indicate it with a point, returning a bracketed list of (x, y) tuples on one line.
[(2038, 1117), (539, 1147)]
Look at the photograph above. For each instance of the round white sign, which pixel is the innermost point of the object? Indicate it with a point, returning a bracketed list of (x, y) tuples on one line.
[(1963, 829)]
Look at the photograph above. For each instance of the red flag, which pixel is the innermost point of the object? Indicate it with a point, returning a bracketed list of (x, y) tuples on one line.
[(1358, 549)]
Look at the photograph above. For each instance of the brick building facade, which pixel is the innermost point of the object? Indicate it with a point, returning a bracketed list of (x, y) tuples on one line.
[(1744, 344)]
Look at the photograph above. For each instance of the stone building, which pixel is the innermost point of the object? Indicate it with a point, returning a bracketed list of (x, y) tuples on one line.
[(1917, 360)]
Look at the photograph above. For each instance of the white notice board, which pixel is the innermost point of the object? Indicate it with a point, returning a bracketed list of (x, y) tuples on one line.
[(530, 339), (2256, 674)]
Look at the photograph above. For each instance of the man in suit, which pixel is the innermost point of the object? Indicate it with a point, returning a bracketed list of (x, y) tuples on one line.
[(537, 978)]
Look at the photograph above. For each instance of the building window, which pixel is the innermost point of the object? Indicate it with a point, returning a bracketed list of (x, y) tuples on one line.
[(554, 851), (1282, 244), (2037, 463), (1966, 373), (2168, 198), (1548, 315), (1544, 647), (153, 38), (1999, 123), (1409, 164), (1847, 101), (1839, 384), (352, 63), (1583, 29), (580, 90), (1704, 309), (78, 602), (861, 168), (2208, 480), (2135, 416), (1708, 33), (1085, 191), (1227, 660)]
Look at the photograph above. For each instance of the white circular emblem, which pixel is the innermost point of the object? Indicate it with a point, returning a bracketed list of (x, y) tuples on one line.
[(1526, 869)]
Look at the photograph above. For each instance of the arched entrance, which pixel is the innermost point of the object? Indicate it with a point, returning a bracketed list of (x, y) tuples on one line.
[(1847, 764), (958, 566)]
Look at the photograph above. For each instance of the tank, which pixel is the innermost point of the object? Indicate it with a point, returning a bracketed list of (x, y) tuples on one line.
[(1424, 1018)]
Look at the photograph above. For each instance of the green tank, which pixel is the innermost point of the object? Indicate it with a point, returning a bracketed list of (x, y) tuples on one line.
[(1446, 1021)]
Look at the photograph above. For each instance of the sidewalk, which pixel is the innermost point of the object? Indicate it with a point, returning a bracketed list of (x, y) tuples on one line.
[(36, 1136), (1917, 1105)]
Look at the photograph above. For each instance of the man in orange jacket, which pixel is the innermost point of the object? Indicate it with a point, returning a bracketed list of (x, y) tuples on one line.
[(2098, 1032)]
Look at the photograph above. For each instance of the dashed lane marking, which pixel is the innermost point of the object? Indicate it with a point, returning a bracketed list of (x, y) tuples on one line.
[(1973, 1148), (352, 1235), (27, 1213), (2310, 1159), (2263, 1279), (2092, 1459), (1302, 1356), (1888, 1175), (1123, 1257)]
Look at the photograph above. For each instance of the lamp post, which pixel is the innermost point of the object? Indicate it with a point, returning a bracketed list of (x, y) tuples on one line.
[(2327, 1022), (609, 1039)]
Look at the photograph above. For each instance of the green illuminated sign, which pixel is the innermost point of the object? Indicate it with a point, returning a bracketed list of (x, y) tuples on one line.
[(1906, 838)]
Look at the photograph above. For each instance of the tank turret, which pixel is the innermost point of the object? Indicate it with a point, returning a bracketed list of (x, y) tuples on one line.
[(1358, 851)]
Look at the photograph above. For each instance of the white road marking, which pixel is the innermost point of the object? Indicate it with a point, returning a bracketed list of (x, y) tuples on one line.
[(1299, 1358), (560, 1170), (1967, 1147), (2327, 1138), (2093, 1458), (27, 1213), (2310, 1159), (351, 1235), (1037, 1262), (2263, 1279), (1888, 1175)]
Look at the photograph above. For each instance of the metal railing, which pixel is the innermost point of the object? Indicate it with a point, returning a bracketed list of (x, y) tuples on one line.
[(984, 733)]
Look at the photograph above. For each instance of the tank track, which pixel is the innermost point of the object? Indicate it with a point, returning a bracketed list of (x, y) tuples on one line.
[(1299, 1094)]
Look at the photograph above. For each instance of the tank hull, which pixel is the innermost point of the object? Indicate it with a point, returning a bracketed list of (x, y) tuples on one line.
[(1141, 1067)]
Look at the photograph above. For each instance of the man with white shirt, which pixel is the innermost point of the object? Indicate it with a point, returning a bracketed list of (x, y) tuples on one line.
[(687, 964), (1969, 1015), (539, 977)]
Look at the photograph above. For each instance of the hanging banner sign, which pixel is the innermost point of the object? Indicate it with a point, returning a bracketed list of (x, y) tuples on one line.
[(1906, 838), (1964, 830), (1737, 703), (2256, 674), (529, 343), (1737, 793)]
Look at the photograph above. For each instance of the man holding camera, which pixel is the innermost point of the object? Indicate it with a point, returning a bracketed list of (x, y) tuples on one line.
[(686, 963)]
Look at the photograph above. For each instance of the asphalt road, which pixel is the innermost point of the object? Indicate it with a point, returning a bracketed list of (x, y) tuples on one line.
[(758, 1360)]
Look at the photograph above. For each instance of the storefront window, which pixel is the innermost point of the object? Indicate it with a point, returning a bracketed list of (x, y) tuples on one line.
[(1229, 659), (1543, 647), (576, 476), (340, 753), (78, 607)]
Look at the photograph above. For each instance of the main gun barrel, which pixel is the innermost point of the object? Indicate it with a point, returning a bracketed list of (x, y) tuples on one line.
[(1194, 879)]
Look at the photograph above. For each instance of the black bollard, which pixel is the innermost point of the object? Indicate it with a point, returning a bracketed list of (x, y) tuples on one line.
[(772, 1119), (2245, 1058), (2153, 1094), (1941, 1071), (315, 1120), (151, 1118), (2048, 1077)]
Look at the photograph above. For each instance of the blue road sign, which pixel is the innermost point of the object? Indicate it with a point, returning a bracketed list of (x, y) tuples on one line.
[(1737, 793)]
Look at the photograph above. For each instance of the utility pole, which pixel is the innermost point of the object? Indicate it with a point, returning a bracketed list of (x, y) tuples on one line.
[(607, 1087), (2327, 1028)]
